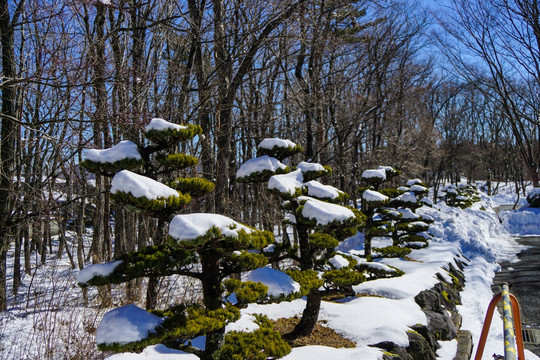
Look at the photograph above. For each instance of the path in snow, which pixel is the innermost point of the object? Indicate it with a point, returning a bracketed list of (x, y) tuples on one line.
[(524, 279)]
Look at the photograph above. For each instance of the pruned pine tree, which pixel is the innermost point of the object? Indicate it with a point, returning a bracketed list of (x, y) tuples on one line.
[(320, 223), (207, 247), (461, 195), (391, 213)]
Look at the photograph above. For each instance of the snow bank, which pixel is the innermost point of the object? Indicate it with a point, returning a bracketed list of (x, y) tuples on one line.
[(525, 221), (140, 186), (126, 324), (121, 151)]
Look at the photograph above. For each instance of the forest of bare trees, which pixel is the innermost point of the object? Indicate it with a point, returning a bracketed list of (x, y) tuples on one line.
[(355, 83)]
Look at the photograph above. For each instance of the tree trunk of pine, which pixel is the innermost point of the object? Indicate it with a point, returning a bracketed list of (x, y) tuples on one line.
[(212, 293), (152, 291), (309, 316)]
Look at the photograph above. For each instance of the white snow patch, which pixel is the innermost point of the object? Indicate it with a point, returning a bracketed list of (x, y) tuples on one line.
[(325, 213), (270, 143)]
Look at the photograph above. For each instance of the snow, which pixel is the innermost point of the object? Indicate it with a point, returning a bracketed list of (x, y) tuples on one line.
[(418, 188), (287, 183), (374, 173), (321, 191), (306, 166), (158, 124), (524, 221), (408, 214), (140, 186), (277, 281), (155, 352), (259, 164), (126, 324), (325, 213), (272, 142), (339, 262), (408, 197), (90, 271), (123, 150), (414, 182), (191, 226), (372, 196)]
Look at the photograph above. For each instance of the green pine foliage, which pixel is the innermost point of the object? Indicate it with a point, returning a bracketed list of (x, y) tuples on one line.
[(315, 174), (308, 279), (211, 258), (262, 176), (247, 346), (109, 169), (155, 260), (462, 196), (246, 291), (167, 137), (280, 152), (393, 251), (195, 187), (152, 207), (177, 161), (342, 278), (321, 241)]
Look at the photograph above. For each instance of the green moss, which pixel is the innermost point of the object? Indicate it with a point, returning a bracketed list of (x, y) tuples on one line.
[(174, 136), (177, 161), (195, 187)]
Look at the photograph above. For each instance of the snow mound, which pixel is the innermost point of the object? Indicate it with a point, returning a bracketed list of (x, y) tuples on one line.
[(525, 221), (372, 195), (374, 173), (126, 324), (321, 191)]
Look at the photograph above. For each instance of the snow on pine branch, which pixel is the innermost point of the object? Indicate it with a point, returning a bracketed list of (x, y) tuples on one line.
[(140, 186), (259, 164), (325, 213), (191, 226), (123, 150), (158, 124)]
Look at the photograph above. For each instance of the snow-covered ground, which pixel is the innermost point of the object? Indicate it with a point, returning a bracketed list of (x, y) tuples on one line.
[(53, 324)]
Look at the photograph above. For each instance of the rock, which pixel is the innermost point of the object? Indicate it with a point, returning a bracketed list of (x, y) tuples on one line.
[(419, 347)]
